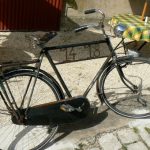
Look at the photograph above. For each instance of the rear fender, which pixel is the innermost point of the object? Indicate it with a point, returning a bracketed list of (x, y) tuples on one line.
[(42, 72)]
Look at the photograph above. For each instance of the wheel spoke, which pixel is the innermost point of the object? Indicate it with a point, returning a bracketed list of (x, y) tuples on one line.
[(120, 98), (15, 136)]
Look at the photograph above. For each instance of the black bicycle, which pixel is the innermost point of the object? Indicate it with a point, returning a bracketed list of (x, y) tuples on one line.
[(33, 103)]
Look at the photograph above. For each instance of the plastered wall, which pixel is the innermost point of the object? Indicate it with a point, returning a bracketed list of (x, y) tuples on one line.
[(110, 7)]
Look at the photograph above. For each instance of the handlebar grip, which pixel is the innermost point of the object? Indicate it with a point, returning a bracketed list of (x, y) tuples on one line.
[(90, 11), (81, 28)]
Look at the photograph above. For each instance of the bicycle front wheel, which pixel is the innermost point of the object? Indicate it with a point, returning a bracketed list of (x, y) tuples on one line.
[(25, 137), (118, 96)]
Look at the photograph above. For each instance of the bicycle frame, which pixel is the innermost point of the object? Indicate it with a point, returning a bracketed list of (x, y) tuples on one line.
[(45, 51), (113, 56)]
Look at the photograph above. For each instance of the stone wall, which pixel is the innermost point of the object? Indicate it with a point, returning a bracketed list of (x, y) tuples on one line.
[(110, 7)]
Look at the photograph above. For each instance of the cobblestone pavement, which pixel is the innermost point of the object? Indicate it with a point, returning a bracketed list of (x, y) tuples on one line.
[(125, 138), (134, 136)]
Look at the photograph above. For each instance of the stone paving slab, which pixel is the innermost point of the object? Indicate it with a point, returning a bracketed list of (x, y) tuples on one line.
[(145, 135), (137, 146), (124, 137), (109, 141)]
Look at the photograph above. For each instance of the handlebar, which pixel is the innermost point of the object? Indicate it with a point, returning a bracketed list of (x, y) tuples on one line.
[(81, 28), (95, 10), (90, 11), (84, 27), (100, 24)]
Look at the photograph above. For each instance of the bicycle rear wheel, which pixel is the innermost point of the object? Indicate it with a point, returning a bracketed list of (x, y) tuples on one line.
[(13, 136), (121, 99)]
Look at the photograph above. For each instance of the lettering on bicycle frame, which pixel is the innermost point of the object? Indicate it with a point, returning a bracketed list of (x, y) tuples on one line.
[(80, 53)]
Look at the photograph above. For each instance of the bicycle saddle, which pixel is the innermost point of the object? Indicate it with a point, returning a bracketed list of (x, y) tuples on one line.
[(40, 41)]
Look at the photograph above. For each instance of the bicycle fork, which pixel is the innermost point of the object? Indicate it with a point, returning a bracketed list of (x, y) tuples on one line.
[(125, 81), (134, 88)]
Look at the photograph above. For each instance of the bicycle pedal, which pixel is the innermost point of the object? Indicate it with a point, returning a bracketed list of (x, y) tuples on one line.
[(67, 108)]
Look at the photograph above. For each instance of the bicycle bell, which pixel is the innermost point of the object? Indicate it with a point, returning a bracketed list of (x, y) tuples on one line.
[(119, 29)]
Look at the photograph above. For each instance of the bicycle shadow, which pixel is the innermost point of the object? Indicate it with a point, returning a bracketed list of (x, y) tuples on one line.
[(23, 49), (91, 120), (94, 118), (19, 136)]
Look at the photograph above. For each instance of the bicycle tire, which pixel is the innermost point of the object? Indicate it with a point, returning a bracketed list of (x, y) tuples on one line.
[(117, 96), (27, 137)]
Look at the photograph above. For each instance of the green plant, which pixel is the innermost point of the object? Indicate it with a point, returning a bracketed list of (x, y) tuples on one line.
[(147, 129), (124, 147), (80, 147), (135, 130)]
